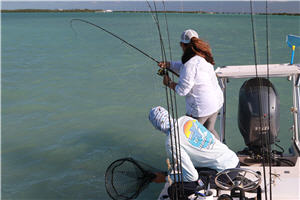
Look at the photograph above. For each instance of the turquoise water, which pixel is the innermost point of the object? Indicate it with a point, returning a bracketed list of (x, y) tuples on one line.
[(73, 103)]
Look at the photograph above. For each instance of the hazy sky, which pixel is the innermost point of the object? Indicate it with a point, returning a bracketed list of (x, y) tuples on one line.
[(218, 6)]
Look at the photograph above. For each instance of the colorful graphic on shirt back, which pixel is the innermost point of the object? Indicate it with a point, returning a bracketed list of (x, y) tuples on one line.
[(198, 135)]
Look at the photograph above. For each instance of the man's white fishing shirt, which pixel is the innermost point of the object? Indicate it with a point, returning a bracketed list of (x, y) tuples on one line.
[(199, 148)]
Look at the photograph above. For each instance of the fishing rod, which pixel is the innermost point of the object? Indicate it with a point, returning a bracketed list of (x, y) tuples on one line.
[(160, 72), (263, 138), (116, 36), (175, 142), (269, 148), (175, 102), (155, 18)]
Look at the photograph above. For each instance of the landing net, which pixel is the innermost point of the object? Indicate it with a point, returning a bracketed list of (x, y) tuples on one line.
[(126, 178)]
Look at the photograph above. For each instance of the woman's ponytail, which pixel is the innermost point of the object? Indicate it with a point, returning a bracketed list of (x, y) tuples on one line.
[(197, 47)]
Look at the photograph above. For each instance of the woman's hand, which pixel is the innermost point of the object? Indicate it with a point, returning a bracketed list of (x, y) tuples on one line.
[(164, 65), (166, 80), (169, 83)]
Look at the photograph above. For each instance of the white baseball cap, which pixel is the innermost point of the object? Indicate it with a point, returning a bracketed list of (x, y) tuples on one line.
[(187, 35)]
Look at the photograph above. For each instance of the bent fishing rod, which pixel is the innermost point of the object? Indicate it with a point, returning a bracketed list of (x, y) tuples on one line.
[(160, 72)]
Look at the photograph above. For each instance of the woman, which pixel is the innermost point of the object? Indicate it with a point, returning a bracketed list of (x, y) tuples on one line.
[(197, 80)]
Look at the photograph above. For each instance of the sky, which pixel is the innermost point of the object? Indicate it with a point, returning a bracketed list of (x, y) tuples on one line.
[(138, 5)]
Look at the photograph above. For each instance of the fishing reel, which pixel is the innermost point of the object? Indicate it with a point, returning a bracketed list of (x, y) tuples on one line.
[(162, 72)]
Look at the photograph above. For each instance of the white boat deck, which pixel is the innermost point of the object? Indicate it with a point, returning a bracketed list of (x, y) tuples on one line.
[(285, 184)]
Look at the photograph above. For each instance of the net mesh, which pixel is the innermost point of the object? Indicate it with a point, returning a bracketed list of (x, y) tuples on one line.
[(126, 178), (293, 40)]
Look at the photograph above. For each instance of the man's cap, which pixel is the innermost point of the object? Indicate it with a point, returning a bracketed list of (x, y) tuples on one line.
[(187, 35)]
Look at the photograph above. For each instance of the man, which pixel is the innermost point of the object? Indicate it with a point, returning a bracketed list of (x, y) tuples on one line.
[(198, 148)]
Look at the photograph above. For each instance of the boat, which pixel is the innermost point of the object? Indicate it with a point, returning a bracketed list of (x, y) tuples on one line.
[(264, 172), (284, 169)]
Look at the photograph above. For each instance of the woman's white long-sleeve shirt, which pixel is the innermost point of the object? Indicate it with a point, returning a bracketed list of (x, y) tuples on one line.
[(199, 84)]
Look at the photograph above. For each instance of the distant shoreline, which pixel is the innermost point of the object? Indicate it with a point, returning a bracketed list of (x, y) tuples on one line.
[(108, 11)]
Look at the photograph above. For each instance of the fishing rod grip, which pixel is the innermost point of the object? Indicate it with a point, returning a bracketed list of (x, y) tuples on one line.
[(163, 72)]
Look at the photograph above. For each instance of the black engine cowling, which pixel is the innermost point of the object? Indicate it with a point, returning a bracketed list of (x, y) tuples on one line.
[(253, 113)]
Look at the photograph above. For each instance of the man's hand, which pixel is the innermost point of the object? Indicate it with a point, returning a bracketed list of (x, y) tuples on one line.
[(160, 177)]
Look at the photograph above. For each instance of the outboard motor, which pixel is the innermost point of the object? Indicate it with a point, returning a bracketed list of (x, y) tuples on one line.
[(253, 117)]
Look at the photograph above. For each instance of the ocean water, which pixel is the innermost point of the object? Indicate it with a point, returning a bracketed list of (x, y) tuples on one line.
[(73, 102)]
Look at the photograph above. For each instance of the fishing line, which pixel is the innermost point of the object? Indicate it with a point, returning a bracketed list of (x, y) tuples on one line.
[(167, 29), (163, 51), (85, 21), (181, 4), (155, 18), (259, 99), (116, 36)]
